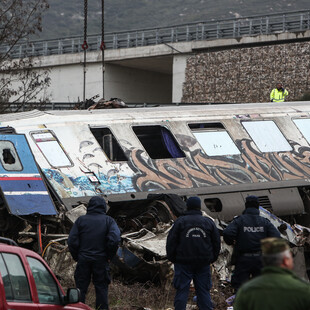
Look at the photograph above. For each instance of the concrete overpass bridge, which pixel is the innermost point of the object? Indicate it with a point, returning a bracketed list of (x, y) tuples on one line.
[(161, 65)]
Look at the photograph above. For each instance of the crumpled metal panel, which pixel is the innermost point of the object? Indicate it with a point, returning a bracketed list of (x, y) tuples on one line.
[(287, 231), (149, 241), (76, 212)]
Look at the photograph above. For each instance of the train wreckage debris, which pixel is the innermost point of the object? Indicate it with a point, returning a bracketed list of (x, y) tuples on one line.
[(145, 162)]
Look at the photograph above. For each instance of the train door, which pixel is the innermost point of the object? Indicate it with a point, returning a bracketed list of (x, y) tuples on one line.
[(23, 191)]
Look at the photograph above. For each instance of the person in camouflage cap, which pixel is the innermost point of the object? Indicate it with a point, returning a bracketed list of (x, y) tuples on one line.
[(277, 287), (272, 246)]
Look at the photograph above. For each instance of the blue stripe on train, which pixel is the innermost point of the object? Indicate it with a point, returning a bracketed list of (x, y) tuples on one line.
[(29, 204), (22, 185)]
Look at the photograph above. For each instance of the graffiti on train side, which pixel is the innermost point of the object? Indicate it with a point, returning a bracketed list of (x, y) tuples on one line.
[(68, 186), (195, 170), (198, 169)]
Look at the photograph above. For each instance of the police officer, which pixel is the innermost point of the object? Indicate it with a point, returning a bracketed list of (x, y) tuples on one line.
[(278, 94), (92, 242), (245, 233), (193, 243)]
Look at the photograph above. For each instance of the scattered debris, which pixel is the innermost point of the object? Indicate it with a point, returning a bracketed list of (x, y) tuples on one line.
[(113, 103), (230, 300), (142, 253)]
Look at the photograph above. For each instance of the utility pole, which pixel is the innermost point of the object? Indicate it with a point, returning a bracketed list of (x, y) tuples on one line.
[(85, 47), (102, 46)]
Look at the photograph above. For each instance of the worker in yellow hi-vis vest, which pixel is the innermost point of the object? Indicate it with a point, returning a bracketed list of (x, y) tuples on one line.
[(278, 94)]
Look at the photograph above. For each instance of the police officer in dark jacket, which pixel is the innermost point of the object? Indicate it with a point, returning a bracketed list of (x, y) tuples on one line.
[(193, 243), (92, 242), (245, 233)]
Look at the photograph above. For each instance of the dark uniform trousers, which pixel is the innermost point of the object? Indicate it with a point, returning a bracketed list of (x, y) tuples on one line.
[(99, 271), (247, 265), (201, 275)]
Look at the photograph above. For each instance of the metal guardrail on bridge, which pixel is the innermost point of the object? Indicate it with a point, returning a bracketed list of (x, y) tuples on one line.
[(208, 30), (6, 107)]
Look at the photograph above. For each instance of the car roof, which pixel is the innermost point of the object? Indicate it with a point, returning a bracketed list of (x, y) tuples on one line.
[(18, 250)]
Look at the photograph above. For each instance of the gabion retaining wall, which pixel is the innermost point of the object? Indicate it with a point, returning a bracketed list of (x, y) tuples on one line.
[(247, 74)]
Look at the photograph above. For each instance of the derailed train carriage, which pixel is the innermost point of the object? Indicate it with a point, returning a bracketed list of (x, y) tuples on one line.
[(146, 161)]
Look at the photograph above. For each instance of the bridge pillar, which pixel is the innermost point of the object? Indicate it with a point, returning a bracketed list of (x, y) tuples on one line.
[(178, 76)]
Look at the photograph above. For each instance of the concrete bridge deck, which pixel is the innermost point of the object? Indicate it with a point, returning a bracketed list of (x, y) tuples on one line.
[(150, 65)]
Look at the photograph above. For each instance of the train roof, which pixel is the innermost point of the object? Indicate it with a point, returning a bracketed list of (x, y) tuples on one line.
[(148, 113)]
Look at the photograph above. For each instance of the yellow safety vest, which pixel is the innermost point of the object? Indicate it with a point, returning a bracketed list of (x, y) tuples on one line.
[(278, 96)]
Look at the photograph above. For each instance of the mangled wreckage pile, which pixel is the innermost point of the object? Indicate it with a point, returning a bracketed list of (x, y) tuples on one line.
[(145, 162), (145, 225)]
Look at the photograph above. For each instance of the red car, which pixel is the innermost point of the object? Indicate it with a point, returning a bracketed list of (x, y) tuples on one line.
[(26, 282)]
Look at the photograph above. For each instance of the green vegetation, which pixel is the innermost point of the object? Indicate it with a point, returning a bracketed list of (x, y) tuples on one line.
[(65, 18)]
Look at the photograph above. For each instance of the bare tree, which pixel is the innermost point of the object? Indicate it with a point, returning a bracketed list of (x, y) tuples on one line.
[(20, 83)]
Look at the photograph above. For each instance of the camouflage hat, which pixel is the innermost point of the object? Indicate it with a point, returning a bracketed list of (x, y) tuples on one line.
[(272, 246)]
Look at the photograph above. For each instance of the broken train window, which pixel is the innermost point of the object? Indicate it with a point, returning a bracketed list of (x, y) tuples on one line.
[(213, 204), (214, 139), (304, 127), (109, 144), (8, 156), (267, 136), (158, 142), (51, 148)]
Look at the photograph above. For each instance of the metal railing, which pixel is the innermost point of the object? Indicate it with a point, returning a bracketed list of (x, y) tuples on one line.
[(6, 107), (208, 30)]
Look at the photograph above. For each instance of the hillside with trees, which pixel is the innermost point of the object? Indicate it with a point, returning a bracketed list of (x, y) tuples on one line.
[(65, 18)]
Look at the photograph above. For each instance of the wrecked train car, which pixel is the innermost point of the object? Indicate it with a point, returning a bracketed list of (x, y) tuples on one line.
[(222, 153)]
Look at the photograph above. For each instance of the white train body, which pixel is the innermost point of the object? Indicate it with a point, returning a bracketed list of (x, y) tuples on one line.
[(222, 153)]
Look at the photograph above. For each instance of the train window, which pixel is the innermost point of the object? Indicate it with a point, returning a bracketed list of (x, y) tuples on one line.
[(304, 126), (213, 204), (199, 126), (214, 139), (267, 136), (109, 144), (8, 156), (158, 142), (51, 148)]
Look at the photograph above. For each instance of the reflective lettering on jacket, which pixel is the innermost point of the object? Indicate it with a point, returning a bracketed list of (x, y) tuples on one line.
[(195, 232), (253, 229)]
